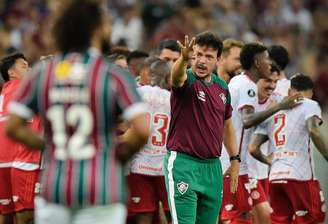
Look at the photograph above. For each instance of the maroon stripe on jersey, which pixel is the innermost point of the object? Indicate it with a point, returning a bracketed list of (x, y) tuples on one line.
[(128, 99), (69, 182), (51, 169), (26, 91), (93, 101), (113, 180)]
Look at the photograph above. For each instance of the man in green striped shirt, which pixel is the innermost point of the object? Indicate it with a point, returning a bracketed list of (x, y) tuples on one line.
[(79, 96)]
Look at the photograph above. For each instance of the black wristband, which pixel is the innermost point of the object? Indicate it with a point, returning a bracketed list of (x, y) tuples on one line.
[(236, 157)]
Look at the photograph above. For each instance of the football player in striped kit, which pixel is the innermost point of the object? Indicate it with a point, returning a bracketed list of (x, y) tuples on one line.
[(80, 95)]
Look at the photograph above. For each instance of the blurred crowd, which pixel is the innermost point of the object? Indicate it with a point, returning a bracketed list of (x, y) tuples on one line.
[(299, 25)]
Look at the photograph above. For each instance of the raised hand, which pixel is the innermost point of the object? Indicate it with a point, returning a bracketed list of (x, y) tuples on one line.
[(187, 47)]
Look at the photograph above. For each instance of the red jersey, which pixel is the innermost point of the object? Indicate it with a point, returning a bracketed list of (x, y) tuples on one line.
[(13, 154)]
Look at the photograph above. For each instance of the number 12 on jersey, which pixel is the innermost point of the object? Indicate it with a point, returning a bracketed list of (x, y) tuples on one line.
[(76, 147)]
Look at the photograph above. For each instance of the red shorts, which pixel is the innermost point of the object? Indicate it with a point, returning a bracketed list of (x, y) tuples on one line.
[(259, 190), (6, 205), (233, 205), (297, 202), (145, 193), (24, 188)]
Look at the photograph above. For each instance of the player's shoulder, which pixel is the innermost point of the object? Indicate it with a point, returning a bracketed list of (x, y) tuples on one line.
[(242, 81), (153, 90), (309, 103), (283, 82), (145, 88), (118, 73), (219, 81)]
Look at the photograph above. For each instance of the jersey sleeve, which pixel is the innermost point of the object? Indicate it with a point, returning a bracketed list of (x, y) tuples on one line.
[(190, 80), (128, 99), (247, 97), (25, 100), (311, 109), (247, 94)]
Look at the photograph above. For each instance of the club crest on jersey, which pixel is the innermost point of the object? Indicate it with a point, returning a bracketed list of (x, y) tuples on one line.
[(182, 187), (201, 95), (223, 98), (251, 93)]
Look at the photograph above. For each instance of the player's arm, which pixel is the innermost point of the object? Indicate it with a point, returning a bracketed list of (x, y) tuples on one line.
[(250, 118), (313, 124), (255, 148), (134, 138), (179, 68), (230, 143), (18, 130)]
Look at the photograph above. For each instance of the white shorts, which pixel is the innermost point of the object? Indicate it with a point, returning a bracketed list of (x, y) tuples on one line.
[(50, 213)]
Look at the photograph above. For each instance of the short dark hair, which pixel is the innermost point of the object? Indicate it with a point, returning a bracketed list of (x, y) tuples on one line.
[(7, 62), (168, 44), (211, 40), (74, 28), (280, 55), (136, 54), (248, 53), (301, 82)]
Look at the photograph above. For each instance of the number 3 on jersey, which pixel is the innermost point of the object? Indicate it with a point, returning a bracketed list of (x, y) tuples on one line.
[(75, 147), (280, 124), (160, 124)]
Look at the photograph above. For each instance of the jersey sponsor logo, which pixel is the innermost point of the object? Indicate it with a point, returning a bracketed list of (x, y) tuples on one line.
[(136, 200), (182, 187), (228, 207), (201, 95), (301, 213), (223, 98), (251, 93)]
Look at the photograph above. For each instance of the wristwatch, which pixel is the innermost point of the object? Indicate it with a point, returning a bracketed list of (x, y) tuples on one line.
[(236, 157)]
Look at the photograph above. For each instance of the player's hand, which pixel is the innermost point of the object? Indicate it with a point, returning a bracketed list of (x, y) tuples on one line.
[(187, 47), (234, 174), (122, 153), (269, 159), (291, 101)]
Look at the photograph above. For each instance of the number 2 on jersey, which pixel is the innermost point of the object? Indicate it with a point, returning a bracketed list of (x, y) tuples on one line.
[(76, 146), (280, 123)]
